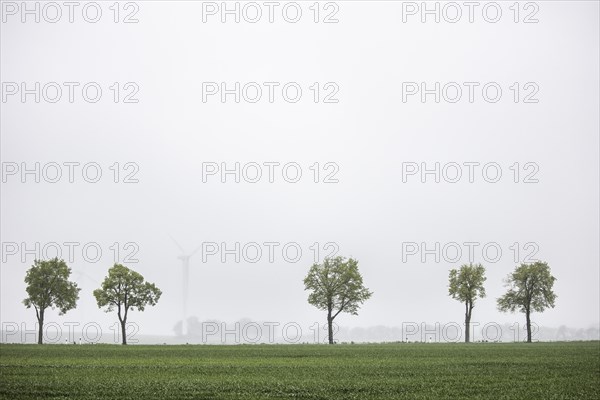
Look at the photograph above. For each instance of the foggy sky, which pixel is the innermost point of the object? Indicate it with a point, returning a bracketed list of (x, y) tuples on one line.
[(369, 133)]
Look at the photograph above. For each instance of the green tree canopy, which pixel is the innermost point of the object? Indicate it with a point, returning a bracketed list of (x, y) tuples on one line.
[(48, 286), (466, 285), (529, 289), (125, 289), (336, 286)]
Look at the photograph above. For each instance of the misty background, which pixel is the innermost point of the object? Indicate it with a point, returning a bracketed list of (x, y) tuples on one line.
[(368, 134)]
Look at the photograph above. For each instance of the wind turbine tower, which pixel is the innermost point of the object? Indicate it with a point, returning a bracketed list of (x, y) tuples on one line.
[(185, 264)]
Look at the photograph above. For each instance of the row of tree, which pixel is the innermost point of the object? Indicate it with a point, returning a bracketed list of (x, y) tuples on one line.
[(335, 286), (529, 289), (48, 286)]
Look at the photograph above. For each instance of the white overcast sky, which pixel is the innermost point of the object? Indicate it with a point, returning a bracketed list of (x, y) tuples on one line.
[(369, 133)]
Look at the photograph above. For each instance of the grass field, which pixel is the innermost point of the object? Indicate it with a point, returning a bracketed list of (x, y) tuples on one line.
[(377, 371)]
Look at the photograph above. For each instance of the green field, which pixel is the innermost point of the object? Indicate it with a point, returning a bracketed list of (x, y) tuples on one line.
[(382, 371)]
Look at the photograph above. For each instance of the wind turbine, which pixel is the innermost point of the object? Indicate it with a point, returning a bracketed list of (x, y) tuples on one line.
[(185, 263)]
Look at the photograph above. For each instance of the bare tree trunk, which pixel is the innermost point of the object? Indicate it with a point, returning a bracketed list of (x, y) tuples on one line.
[(124, 332), (528, 319), (467, 323), (41, 326), (330, 326), (123, 322)]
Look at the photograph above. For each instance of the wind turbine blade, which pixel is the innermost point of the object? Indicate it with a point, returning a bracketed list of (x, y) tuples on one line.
[(196, 250), (177, 244), (84, 275)]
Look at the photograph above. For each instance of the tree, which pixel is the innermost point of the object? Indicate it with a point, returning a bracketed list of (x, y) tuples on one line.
[(125, 289), (529, 289), (48, 285), (336, 286), (466, 285)]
